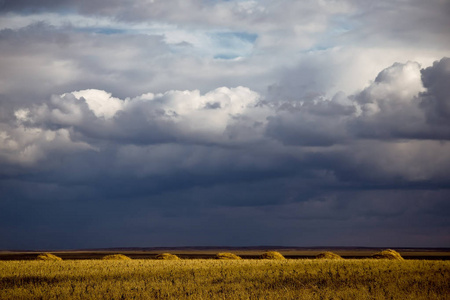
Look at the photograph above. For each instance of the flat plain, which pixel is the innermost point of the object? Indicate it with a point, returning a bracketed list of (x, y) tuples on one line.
[(349, 278), (244, 252)]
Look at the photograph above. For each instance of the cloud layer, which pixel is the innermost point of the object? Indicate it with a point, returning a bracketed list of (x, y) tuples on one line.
[(224, 123)]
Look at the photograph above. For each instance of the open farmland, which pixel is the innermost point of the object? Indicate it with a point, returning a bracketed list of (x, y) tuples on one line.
[(216, 279), (244, 252)]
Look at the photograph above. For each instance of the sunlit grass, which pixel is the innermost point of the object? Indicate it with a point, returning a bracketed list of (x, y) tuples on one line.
[(229, 279), (167, 256), (227, 255), (116, 257), (272, 255), (388, 254), (48, 256), (328, 255)]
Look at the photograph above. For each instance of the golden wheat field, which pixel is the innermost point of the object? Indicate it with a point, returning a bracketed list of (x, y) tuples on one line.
[(225, 279)]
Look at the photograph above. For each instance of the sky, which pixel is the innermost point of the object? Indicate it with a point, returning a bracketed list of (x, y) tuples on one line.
[(150, 123)]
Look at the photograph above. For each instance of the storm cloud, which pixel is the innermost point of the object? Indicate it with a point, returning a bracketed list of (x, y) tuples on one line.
[(238, 123)]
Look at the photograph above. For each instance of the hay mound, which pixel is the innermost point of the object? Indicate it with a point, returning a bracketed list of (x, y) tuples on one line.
[(116, 257), (167, 256), (328, 255), (48, 256), (272, 255), (227, 255), (388, 254)]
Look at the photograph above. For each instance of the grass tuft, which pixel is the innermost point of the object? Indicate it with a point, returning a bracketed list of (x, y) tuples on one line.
[(388, 254), (48, 256), (272, 255), (328, 255), (167, 256), (116, 257), (227, 255)]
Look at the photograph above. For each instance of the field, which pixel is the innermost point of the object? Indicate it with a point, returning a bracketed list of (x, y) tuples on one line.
[(215, 279), (246, 253)]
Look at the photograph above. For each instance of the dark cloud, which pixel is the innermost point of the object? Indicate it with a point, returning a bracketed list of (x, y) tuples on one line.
[(147, 163), (41, 59), (297, 124), (395, 106), (436, 100), (152, 123), (372, 218), (403, 21), (30, 5)]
